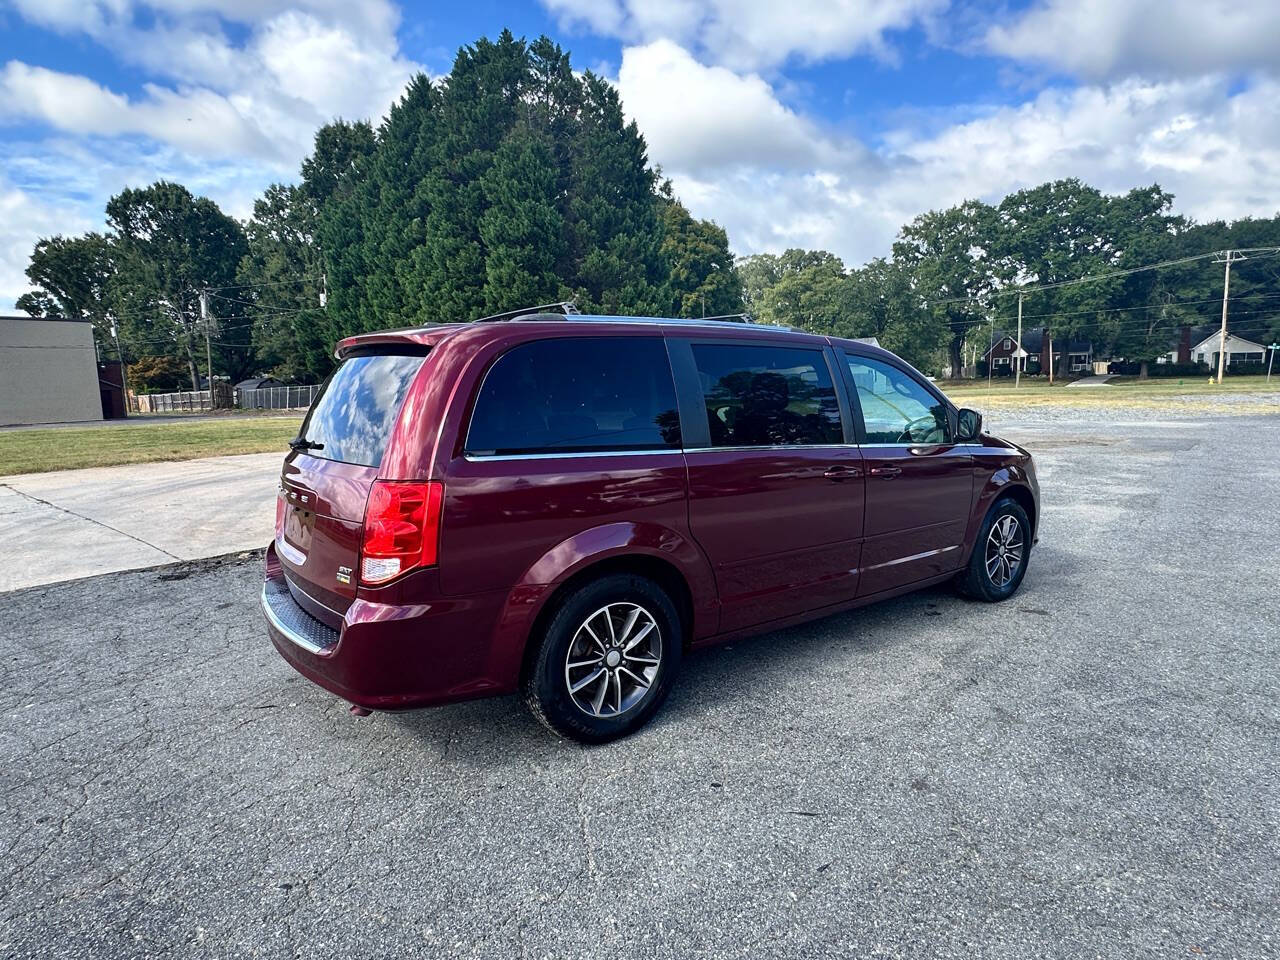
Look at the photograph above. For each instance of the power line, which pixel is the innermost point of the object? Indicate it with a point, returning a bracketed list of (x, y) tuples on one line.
[(1128, 321), (1014, 290), (255, 286), (1151, 306)]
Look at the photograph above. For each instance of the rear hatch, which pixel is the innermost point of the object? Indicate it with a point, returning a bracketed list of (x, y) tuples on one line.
[(326, 479)]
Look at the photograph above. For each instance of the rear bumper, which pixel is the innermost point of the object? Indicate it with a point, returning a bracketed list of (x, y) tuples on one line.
[(287, 619), (391, 657)]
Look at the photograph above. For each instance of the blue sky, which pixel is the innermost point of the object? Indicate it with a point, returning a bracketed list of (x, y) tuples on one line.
[(816, 123)]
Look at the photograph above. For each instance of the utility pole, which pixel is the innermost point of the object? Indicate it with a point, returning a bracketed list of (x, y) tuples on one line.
[(1227, 257), (1273, 348), (208, 349), (1048, 336), (1017, 360)]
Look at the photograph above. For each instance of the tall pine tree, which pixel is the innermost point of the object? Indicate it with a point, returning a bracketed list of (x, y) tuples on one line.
[(521, 229), (508, 182)]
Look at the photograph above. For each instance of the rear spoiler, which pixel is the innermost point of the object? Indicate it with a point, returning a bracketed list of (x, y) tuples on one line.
[(412, 343)]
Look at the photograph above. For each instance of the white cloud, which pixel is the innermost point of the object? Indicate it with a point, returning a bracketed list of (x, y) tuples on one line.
[(698, 117), (752, 34), (1219, 152), (226, 116), (60, 185), (25, 218), (331, 69), (1169, 38), (302, 64), (99, 18), (199, 121), (775, 179)]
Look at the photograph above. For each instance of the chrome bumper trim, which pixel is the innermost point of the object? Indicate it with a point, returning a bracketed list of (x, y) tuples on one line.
[(298, 626)]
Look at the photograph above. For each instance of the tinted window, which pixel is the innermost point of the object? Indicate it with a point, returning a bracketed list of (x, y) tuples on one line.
[(577, 395), (895, 407), (767, 396), (356, 409)]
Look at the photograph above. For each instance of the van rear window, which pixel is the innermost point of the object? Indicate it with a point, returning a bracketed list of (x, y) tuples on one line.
[(355, 411)]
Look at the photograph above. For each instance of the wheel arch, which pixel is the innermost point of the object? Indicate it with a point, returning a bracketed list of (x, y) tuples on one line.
[(1008, 482), (1023, 498), (662, 572), (661, 553)]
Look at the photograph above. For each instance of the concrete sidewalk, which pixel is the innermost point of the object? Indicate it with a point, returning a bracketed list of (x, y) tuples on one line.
[(80, 523)]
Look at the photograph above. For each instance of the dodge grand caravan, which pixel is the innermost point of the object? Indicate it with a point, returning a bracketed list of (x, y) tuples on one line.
[(564, 505)]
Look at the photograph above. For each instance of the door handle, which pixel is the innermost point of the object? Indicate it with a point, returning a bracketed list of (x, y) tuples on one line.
[(838, 473), (885, 473)]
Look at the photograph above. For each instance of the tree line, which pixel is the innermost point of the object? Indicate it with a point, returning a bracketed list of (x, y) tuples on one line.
[(511, 181), (514, 180), (950, 283)]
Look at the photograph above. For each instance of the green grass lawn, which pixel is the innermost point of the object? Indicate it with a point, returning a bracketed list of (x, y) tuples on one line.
[(1128, 386), (1126, 391), (65, 448)]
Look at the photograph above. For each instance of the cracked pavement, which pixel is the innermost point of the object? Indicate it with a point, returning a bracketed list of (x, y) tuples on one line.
[(1088, 769)]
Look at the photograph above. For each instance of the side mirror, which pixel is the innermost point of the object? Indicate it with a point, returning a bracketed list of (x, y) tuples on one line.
[(968, 425)]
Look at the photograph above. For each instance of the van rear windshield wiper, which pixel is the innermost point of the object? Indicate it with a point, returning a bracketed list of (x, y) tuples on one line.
[(302, 443)]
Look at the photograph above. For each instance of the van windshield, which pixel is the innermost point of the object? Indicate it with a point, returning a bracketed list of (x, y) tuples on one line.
[(352, 417)]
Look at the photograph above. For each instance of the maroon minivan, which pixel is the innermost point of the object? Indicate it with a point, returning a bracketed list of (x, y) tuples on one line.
[(563, 505)]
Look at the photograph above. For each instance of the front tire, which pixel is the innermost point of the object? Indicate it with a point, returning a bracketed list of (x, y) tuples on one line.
[(1000, 554), (606, 660)]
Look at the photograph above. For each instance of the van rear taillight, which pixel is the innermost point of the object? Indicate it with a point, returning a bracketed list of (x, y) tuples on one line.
[(279, 513), (401, 528)]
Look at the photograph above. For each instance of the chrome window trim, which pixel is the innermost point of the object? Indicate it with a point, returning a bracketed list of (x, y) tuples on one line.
[(569, 455), (578, 454), (916, 443), (773, 446)]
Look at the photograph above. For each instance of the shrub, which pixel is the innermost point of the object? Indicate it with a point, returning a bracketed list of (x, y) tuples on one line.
[(1134, 368), (1253, 369), (159, 374)]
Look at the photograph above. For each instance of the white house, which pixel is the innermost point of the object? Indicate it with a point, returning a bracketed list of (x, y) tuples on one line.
[(1239, 350)]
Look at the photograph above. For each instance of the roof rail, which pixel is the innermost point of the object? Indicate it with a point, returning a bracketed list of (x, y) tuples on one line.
[(733, 320), (738, 317), (565, 308)]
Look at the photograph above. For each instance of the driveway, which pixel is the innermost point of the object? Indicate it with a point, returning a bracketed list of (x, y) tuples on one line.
[(1089, 769), (79, 523)]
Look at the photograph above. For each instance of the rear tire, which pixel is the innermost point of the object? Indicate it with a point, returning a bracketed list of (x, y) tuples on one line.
[(1000, 554), (606, 660)]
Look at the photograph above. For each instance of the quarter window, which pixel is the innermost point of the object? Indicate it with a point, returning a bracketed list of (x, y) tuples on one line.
[(896, 408), (577, 395), (764, 396)]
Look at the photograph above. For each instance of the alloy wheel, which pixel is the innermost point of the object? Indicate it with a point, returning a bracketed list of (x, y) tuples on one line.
[(1004, 550), (613, 659)]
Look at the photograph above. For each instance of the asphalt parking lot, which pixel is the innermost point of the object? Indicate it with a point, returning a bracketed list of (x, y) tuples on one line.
[(1091, 769)]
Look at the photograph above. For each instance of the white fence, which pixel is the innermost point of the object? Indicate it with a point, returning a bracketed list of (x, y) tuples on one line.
[(277, 398)]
